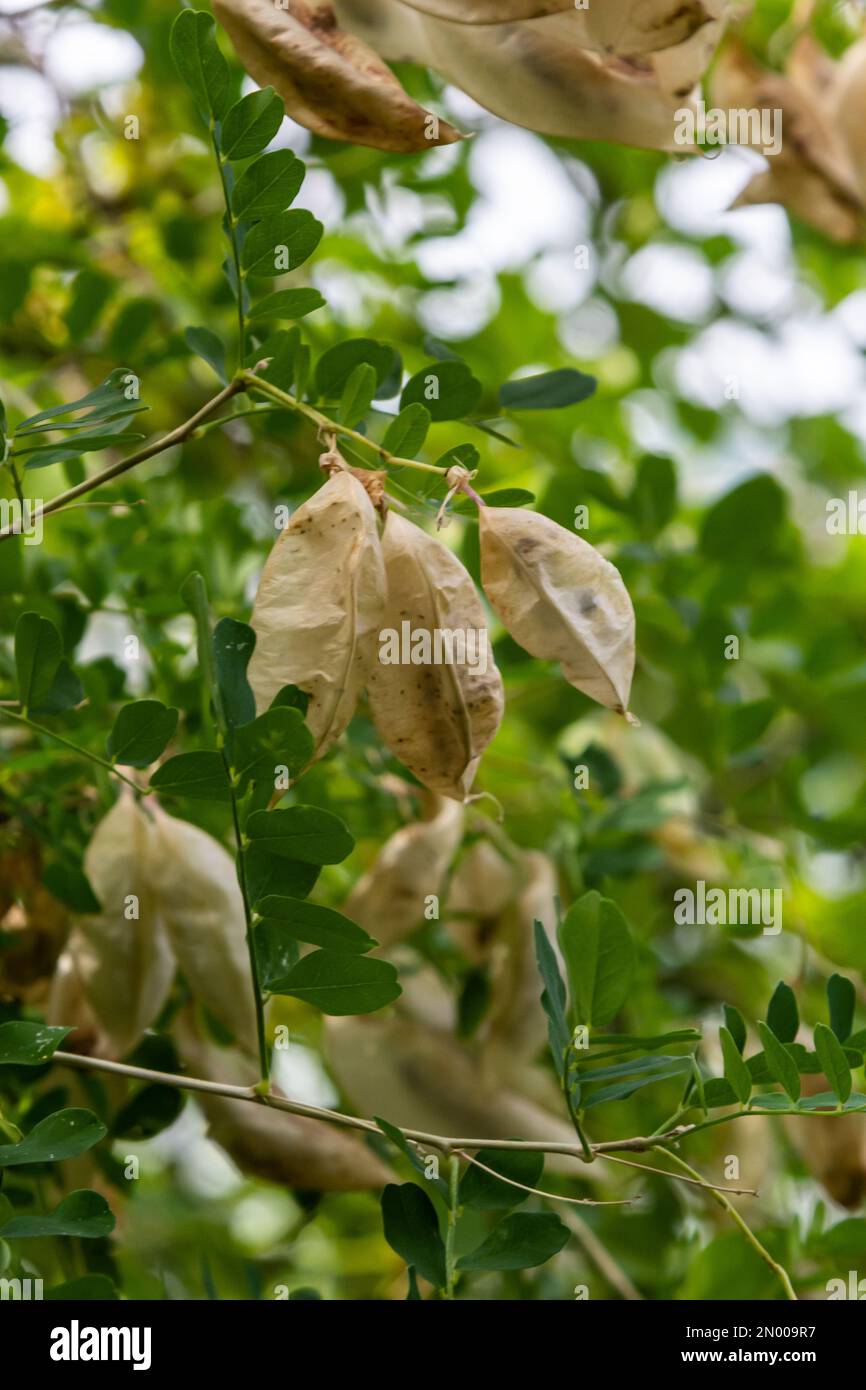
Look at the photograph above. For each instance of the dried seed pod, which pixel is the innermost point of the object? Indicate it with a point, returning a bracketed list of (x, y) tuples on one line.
[(68, 1006), (124, 957), (319, 607), (420, 1078), (34, 923), (516, 1025), (846, 107), (203, 911), (436, 714), (561, 600), (271, 1144), (330, 80), (482, 886), (834, 1149), (389, 900), (536, 69)]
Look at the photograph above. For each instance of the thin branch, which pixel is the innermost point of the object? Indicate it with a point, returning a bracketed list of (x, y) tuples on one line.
[(114, 470), (722, 1201), (75, 748), (698, 1182), (552, 1196), (602, 1258)]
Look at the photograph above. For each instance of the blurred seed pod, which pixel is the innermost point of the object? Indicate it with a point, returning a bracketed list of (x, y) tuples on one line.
[(555, 68), (124, 958), (813, 174), (561, 600), (319, 607), (203, 911), (834, 1150), (846, 106), (34, 923), (389, 900), (419, 1078), (330, 81), (437, 719), (271, 1144), (482, 886), (68, 1007), (516, 1025)]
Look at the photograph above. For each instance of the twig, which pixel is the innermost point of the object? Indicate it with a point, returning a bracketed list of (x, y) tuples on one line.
[(114, 470), (722, 1201), (552, 1196), (698, 1182), (67, 743)]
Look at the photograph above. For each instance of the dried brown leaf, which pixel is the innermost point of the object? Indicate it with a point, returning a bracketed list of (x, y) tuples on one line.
[(330, 80), (319, 607), (437, 719), (561, 600)]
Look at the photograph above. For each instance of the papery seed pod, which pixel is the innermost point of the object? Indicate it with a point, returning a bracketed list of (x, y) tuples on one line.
[(203, 911), (272, 1144), (34, 923), (319, 607), (436, 716), (482, 886), (539, 71), (124, 958), (67, 1004), (846, 108), (516, 1024), (561, 600), (330, 80), (419, 1078), (411, 867)]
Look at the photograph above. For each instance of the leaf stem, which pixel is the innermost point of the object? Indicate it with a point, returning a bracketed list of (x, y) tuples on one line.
[(232, 235), (82, 752), (721, 1200), (264, 1056), (323, 422), (451, 1231)]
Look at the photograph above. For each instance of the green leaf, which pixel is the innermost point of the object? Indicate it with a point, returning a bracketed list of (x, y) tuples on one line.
[(357, 395), (340, 984), (194, 594), (251, 124), (93, 1288), (547, 390), (834, 1063), (781, 1065), (65, 693), (287, 304), (141, 733), (783, 1017), (522, 1241), (736, 1025), (447, 389), (70, 885), (405, 435), (398, 1138), (38, 650), (553, 998), (290, 697), (276, 953), (337, 364), (84, 1214), (412, 1229), (660, 1070), (233, 645), (267, 875), (65, 1134), (200, 776), (199, 61), (91, 291), (737, 1074), (718, 1092), (29, 1044), (301, 832), (278, 738), (486, 1193), (268, 185), (281, 242), (756, 507), (599, 956), (105, 402), (842, 997), (210, 347), (320, 926), (45, 455)]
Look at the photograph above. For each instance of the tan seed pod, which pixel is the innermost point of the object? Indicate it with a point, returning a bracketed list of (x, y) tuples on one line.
[(124, 958), (482, 887), (561, 600), (436, 718), (516, 1025), (331, 81), (203, 911), (272, 1144), (834, 1150), (537, 71), (389, 900), (68, 1007), (319, 607)]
